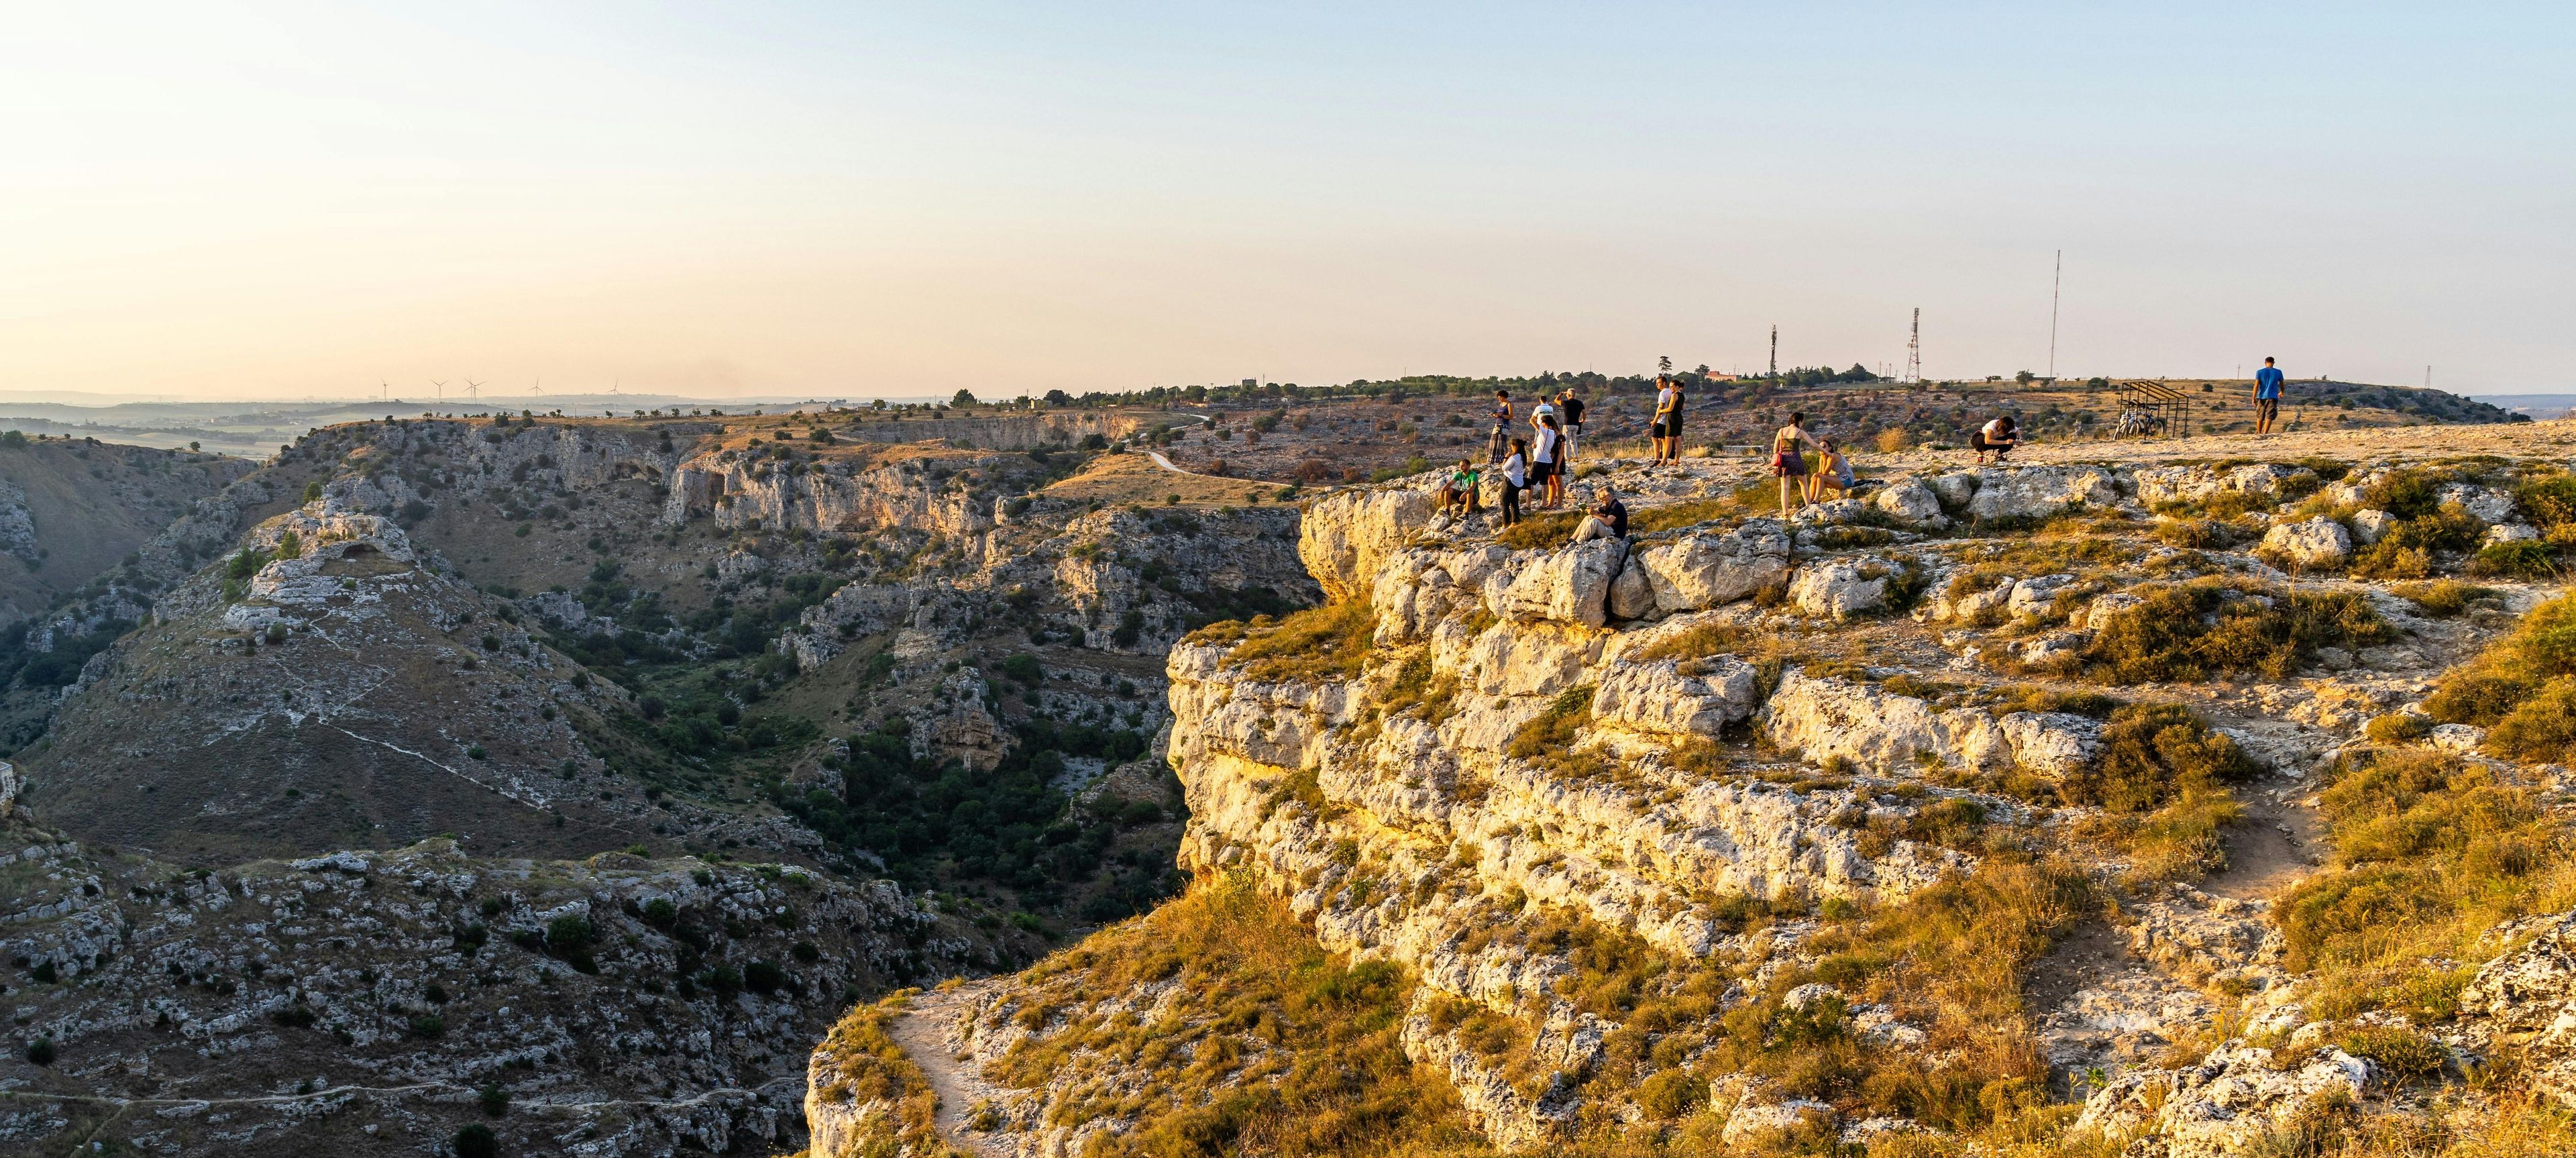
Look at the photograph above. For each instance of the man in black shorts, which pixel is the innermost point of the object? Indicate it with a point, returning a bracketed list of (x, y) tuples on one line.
[(1572, 408)]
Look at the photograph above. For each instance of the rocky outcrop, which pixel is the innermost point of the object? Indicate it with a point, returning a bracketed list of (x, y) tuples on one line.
[(2527, 998), (2314, 543), (1841, 588), (2039, 492), (2216, 1109), (1344, 537), (1704, 570), (1897, 735)]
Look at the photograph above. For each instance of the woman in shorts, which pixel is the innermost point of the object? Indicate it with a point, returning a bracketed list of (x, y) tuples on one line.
[(1789, 461)]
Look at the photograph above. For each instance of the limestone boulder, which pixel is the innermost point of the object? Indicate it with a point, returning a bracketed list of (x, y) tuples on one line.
[(1840, 588), (1953, 490), (1569, 584), (1531, 659), (1701, 571), (2511, 533), (1632, 595), (2033, 597), (1343, 538), (1671, 698), (2371, 526), (2040, 491), (1910, 502), (2491, 506), (2318, 542)]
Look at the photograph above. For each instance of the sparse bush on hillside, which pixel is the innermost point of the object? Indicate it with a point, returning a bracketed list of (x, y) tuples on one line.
[(2204, 628)]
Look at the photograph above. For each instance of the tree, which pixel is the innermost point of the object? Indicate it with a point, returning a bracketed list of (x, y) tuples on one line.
[(2025, 377), (1664, 364), (1058, 398), (962, 399)]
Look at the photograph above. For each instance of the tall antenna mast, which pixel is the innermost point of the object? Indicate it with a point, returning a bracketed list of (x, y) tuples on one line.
[(1914, 349), (2055, 278), (2428, 375), (1775, 350)]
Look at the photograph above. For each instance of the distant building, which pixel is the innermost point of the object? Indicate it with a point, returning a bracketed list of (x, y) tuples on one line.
[(1249, 383)]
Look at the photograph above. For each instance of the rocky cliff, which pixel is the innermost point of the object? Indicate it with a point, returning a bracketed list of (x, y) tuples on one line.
[(2051, 806)]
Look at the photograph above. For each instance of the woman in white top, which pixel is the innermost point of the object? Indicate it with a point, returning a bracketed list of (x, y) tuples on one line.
[(1544, 467), (1515, 472)]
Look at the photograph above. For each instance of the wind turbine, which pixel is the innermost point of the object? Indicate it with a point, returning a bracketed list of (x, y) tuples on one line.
[(473, 389), (441, 386)]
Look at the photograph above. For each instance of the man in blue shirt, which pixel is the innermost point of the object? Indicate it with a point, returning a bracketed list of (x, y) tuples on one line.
[(2267, 397)]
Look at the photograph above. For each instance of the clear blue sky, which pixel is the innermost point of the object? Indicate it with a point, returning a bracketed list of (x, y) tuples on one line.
[(845, 199)]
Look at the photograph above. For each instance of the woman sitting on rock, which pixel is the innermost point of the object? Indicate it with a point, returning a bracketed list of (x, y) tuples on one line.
[(1833, 474), (1789, 460)]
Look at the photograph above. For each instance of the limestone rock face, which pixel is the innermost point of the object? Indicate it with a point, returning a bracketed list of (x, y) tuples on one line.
[(955, 724), (1894, 734), (2317, 542), (2169, 484), (1954, 490), (1569, 584), (1659, 696), (1344, 537), (1701, 571), (2040, 491), (2372, 526), (1840, 588), (2229, 1100)]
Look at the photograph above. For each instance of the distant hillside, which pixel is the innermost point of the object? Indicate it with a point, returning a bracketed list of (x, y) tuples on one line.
[(2437, 405), (2538, 406)]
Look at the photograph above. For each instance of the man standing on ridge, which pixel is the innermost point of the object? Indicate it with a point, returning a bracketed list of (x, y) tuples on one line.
[(2267, 397)]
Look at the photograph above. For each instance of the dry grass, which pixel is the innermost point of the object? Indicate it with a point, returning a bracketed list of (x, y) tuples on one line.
[(2429, 855), (1271, 1047), (2522, 688), (1320, 643), (874, 1068)]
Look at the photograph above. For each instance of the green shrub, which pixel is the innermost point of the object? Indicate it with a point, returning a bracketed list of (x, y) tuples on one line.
[(41, 1051), (428, 1026), (2398, 728), (2204, 628), (2520, 559), (2153, 753), (2400, 1053), (476, 1140)]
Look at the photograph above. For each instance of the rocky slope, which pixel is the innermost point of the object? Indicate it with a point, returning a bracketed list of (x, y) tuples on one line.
[(2179, 806), (381, 826)]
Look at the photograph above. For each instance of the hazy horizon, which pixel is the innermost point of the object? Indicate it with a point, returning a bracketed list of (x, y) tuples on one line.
[(287, 200)]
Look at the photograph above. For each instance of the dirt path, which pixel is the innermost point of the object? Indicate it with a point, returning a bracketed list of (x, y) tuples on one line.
[(921, 1031), (2272, 850)]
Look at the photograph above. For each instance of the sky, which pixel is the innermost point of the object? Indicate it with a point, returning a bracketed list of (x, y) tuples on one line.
[(283, 200)]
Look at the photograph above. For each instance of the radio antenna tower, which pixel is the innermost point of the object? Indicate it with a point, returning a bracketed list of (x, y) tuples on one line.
[(2056, 277), (1914, 349), (1775, 350)]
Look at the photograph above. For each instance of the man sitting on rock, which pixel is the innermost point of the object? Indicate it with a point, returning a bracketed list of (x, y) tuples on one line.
[(1458, 491), (1608, 519)]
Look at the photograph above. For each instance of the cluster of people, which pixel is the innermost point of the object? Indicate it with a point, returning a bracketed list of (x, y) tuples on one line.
[(1535, 462)]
